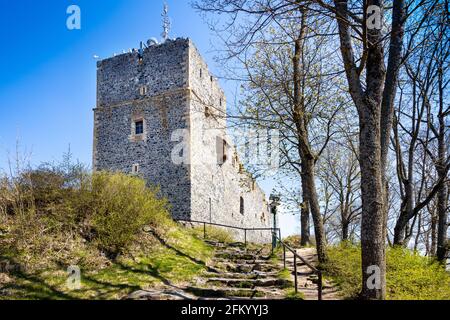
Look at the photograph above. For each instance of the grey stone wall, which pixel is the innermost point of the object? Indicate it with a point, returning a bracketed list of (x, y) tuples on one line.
[(217, 188), (180, 93), (163, 68), (164, 108)]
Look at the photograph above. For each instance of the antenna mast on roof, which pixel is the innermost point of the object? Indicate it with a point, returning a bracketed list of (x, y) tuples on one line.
[(166, 22)]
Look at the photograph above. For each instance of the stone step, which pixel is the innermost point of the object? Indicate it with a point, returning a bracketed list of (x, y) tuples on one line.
[(226, 245), (214, 293), (164, 294), (246, 268), (237, 256), (241, 261), (250, 283), (243, 275), (232, 251)]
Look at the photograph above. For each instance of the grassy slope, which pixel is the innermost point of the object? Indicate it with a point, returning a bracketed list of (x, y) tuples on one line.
[(409, 276), (178, 259)]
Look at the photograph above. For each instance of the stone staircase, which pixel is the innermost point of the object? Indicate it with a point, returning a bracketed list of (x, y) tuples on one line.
[(237, 272)]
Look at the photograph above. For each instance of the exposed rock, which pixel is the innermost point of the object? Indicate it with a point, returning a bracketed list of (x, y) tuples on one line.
[(164, 294), (5, 279)]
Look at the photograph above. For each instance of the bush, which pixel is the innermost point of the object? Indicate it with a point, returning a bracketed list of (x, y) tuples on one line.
[(122, 206), (409, 276), (61, 215), (214, 234), (344, 266), (52, 208)]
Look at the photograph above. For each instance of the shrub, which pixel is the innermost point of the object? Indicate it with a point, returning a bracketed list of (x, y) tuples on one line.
[(60, 215), (215, 234), (344, 266), (412, 276), (55, 209), (122, 205), (409, 276)]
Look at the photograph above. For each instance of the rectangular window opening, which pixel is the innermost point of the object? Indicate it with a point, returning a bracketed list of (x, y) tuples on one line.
[(241, 206), (143, 90), (224, 151), (139, 127)]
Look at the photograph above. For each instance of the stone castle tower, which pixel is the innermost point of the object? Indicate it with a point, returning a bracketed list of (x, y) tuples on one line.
[(161, 104)]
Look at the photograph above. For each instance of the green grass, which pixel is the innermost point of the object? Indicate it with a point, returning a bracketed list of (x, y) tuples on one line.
[(291, 295), (409, 276), (96, 222), (178, 260), (214, 234), (285, 274), (276, 255)]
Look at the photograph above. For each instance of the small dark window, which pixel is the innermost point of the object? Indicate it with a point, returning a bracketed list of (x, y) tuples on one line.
[(139, 127), (241, 206), (222, 149), (201, 73), (212, 78)]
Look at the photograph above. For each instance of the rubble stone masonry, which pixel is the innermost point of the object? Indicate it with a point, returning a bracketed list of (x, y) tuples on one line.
[(166, 89)]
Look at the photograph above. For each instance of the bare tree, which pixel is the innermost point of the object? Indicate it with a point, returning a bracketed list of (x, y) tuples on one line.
[(420, 134), (339, 169), (287, 86)]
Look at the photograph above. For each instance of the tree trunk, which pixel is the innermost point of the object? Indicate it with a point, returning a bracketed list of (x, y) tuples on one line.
[(434, 223), (389, 93), (442, 244), (304, 219), (345, 227), (315, 209), (372, 221), (373, 100), (442, 197), (306, 154), (406, 214)]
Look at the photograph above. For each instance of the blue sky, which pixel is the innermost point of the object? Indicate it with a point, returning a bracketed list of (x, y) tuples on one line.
[(48, 73)]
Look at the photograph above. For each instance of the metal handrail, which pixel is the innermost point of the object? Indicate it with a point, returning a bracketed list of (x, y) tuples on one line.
[(273, 230), (296, 255), (280, 242)]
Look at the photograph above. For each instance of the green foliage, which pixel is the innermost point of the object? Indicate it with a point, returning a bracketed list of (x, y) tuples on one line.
[(108, 209), (291, 295), (285, 274), (148, 269), (61, 215), (344, 267), (122, 205), (293, 241), (409, 276), (214, 234), (413, 277)]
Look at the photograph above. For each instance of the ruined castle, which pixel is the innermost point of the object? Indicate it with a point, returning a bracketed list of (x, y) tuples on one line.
[(160, 114)]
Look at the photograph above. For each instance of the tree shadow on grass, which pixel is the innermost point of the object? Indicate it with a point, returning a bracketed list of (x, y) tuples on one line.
[(35, 287), (152, 271), (182, 254), (104, 287)]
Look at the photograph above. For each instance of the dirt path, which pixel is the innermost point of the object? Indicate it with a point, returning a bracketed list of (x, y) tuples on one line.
[(307, 280)]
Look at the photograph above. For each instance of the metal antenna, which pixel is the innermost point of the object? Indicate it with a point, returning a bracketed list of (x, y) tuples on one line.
[(166, 22)]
